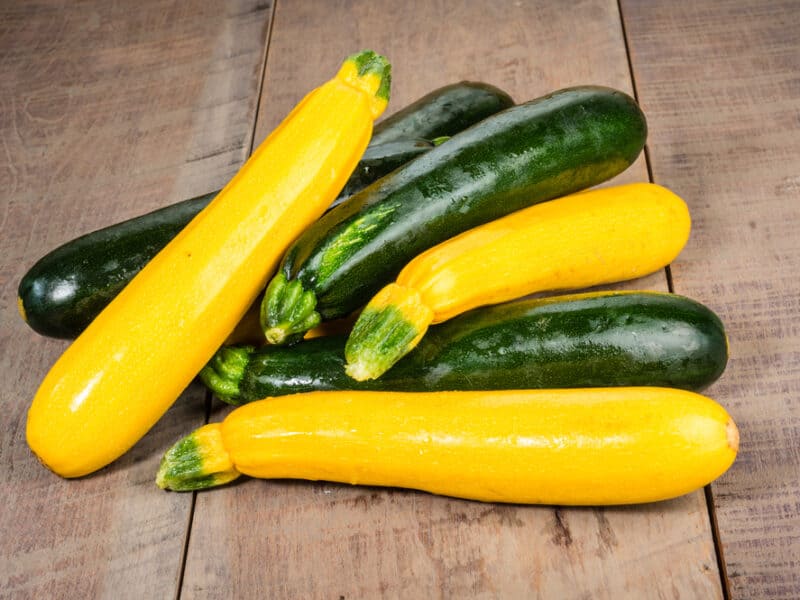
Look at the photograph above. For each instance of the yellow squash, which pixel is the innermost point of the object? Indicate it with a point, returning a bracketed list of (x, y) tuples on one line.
[(579, 447), (127, 368), (586, 239)]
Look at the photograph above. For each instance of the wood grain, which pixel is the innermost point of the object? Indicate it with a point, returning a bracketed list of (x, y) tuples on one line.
[(107, 110), (720, 81), (317, 540)]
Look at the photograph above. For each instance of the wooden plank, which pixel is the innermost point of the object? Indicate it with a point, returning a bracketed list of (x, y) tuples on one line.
[(313, 540), (720, 82), (107, 110)]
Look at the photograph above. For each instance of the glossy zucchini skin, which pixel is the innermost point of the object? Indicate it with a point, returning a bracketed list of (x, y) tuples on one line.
[(68, 287), (549, 147), (600, 339), (443, 112)]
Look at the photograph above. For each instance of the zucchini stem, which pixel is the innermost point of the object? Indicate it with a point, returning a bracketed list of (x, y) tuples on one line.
[(391, 325), (287, 311), (224, 372)]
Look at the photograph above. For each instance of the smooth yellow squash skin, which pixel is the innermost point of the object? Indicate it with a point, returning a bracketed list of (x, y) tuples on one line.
[(117, 379), (586, 239), (590, 238), (578, 447)]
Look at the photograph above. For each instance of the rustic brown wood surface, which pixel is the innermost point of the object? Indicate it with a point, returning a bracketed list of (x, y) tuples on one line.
[(720, 82), (108, 110)]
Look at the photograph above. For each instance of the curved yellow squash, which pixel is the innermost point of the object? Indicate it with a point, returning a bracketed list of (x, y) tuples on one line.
[(579, 447), (116, 380), (586, 239)]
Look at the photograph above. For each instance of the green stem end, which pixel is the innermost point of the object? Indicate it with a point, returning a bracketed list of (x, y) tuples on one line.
[(390, 327), (368, 62), (287, 311), (224, 372), (196, 462)]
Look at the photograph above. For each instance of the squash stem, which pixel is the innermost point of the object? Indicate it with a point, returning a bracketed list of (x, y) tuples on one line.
[(287, 311), (196, 462), (391, 325), (224, 372), (370, 72)]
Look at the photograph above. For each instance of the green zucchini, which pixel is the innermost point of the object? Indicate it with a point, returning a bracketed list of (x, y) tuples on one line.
[(546, 148), (443, 112), (66, 289), (599, 339)]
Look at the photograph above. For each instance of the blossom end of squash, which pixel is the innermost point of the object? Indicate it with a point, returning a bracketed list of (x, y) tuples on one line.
[(732, 436), (391, 325)]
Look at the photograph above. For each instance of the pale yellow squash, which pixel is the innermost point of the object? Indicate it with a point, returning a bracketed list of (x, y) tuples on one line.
[(117, 379), (580, 447)]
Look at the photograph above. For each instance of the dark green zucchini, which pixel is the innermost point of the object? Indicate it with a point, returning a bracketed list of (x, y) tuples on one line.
[(64, 291), (583, 340), (558, 144), (443, 112)]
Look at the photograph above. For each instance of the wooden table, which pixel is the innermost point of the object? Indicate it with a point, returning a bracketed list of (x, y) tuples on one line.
[(111, 109)]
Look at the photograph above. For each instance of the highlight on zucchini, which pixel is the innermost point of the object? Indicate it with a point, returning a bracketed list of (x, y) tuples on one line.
[(595, 339), (530, 153), (121, 374), (595, 446), (587, 239)]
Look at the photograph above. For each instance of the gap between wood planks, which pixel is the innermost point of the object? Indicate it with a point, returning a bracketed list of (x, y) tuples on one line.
[(208, 394), (709, 494)]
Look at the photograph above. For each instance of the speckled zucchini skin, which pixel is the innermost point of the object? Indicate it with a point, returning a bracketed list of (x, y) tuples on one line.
[(583, 340)]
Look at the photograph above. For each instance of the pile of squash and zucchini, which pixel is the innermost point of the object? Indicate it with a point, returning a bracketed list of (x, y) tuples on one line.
[(410, 295)]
